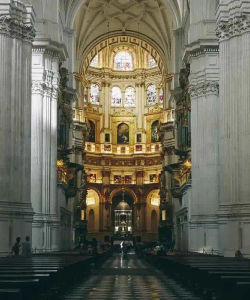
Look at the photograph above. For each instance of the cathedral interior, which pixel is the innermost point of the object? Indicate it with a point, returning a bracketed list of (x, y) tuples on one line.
[(126, 120)]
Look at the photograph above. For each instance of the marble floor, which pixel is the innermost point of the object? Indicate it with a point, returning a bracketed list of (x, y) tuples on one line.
[(128, 278)]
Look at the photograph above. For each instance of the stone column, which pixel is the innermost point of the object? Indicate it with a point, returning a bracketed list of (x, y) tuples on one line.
[(204, 90), (233, 31), (16, 36), (45, 77)]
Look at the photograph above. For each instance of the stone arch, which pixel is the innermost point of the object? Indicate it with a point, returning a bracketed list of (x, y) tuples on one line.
[(120, 189)]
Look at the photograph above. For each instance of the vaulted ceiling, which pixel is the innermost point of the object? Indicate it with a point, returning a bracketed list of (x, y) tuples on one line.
[(149, 19)]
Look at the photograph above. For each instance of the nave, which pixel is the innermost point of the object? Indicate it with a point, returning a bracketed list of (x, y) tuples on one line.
[(128, 278)]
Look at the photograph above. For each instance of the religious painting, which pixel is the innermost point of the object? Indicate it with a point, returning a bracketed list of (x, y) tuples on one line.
[(107, 137), (107, 148), (117, 179), (157, 148), (92, 178), (155, 137), (138, 138), (138, 148), (153, 178), (88, 147), (128, 179), (91, 137), (123, 134), (123, 150)]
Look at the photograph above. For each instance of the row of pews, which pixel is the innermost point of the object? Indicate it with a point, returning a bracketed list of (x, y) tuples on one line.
[(211, 277), (42, 276)]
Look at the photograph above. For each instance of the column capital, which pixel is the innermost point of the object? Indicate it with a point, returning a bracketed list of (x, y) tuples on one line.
[(205, 88), (17, 20)]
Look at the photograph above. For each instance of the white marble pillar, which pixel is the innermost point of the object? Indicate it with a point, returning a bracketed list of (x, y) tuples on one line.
[(204, 94), (233, 31), (45, 77), (16, 35)]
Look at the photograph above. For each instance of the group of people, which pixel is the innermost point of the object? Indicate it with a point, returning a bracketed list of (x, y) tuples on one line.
[(23, 248)]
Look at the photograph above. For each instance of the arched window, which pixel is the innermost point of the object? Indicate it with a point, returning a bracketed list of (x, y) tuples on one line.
[(161, 95), (151, 94), (94, 62), (151, 62), (94, 94), (91, 136), (129, 96), (155, 137), (123, 61), (116, 96), (123, 134)]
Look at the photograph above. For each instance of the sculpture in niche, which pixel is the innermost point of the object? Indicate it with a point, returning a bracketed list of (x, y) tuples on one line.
[(91, 132), (151, 94), (94, 94), (123, 134), (155, 137), (129, 96), (123, 61), (116, 96)]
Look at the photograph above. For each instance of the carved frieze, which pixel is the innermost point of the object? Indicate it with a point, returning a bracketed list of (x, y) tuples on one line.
[(17, 21), (204, 88), (232, 26)]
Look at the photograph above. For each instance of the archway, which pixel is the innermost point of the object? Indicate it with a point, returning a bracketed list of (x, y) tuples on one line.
[(92, 212), (152, 215), (122, 213)]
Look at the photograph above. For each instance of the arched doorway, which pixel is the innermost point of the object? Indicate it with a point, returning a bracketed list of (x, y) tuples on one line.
[(92, 212), (153, 213), (122, 213)]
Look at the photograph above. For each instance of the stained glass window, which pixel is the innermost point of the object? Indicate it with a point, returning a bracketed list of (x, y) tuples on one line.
[(94, 94), (129, 96), (94, 61), (123, 61), (116, 96), (161, 94), (151, 94), (151, 62)]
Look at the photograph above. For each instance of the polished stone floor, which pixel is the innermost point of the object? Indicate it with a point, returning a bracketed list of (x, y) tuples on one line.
[(129, 278)]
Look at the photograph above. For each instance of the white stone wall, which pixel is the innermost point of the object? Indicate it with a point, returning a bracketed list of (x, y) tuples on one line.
[(16, 35), (233, 31)]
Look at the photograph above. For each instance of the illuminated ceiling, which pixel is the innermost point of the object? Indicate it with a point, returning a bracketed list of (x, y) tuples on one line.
[(151, 20)]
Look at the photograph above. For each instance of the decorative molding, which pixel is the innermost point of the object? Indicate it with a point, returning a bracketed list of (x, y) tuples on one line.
[(232, 26), (38, 87), (203, 89), (17, 21)]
